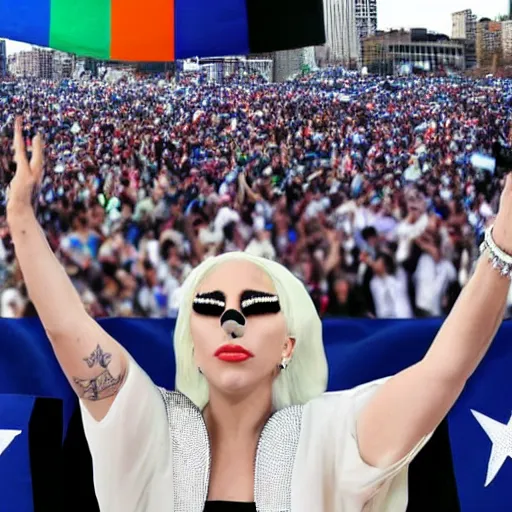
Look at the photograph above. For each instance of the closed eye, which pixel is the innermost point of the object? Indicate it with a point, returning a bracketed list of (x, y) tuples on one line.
[(210, 304), (253, 303)]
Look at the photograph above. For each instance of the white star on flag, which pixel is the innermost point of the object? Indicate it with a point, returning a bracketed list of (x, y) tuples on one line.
[(501, 438), (6, 438)]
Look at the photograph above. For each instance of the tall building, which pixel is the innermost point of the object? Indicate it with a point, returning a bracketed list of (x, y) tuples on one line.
[(464, 25), (489, 44), (464, 29), (3, 58), (35, 63), (343, 45), (506, 41), (366, 18), (42, 63), (22, 64)]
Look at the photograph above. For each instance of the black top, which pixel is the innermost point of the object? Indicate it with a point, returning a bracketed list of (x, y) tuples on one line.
[(229, 506)]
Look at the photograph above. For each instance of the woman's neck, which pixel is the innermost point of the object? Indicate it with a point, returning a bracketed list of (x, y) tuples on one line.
[(234, 418)]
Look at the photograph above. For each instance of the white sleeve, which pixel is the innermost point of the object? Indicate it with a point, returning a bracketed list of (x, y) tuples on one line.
[(330, 445), (131, 449), (373, 483)]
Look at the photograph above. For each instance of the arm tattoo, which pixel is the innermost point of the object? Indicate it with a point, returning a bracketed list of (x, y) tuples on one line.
[(104, 385), (98, 357)]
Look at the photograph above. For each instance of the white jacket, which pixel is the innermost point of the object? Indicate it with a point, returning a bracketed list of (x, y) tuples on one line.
[(152, 455)]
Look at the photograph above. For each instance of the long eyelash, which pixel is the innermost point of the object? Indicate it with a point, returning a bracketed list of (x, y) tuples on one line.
[(259, 304), (247, 303), (210, 304)]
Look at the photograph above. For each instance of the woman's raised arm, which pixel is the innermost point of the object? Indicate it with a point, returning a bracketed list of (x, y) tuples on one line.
[(413, 403), (94, 363)]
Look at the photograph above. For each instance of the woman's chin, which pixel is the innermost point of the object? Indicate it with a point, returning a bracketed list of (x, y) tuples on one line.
[(233, 381)]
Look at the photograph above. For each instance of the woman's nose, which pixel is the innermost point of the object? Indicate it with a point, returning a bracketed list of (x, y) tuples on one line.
[(233, 323)]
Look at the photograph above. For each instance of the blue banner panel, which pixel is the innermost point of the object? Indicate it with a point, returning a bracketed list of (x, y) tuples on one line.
[(26, 20), (211, 29)]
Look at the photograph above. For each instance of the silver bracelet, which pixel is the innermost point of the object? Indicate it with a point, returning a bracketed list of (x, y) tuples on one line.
[(500, 260)]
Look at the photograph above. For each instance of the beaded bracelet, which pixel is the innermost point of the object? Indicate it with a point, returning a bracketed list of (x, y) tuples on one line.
[(500, 260)]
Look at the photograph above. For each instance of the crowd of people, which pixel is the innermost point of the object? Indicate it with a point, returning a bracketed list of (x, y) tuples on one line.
[(366, 188)]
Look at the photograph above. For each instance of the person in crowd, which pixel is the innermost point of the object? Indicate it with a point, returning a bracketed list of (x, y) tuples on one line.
[(389, 288), (433, 277)]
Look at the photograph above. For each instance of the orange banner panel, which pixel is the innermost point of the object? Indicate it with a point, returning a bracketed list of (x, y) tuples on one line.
[(142, 30)]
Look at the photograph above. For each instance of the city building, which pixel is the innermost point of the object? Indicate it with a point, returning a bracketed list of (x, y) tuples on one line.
[(22, 64), (343, 44), (404, 52), (464, 25), (366, 18), (464, 30), (34, 63), (506, 41), (3, 58), (42, 63), (489, 47)]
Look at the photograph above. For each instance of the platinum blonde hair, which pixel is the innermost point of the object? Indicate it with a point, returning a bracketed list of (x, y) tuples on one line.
[(306, 376)]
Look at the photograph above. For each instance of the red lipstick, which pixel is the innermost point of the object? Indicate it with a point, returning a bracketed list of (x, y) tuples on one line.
[(233, 354)]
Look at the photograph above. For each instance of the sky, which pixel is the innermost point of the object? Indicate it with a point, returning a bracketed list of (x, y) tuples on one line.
[(431, 14)]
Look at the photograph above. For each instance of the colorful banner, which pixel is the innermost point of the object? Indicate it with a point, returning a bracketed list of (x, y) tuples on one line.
[(163, 30)]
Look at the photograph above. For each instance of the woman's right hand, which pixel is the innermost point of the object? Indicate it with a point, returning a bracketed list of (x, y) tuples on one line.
[(28, 175)]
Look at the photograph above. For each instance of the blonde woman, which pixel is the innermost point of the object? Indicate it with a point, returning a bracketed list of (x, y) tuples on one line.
[(250, 426)]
